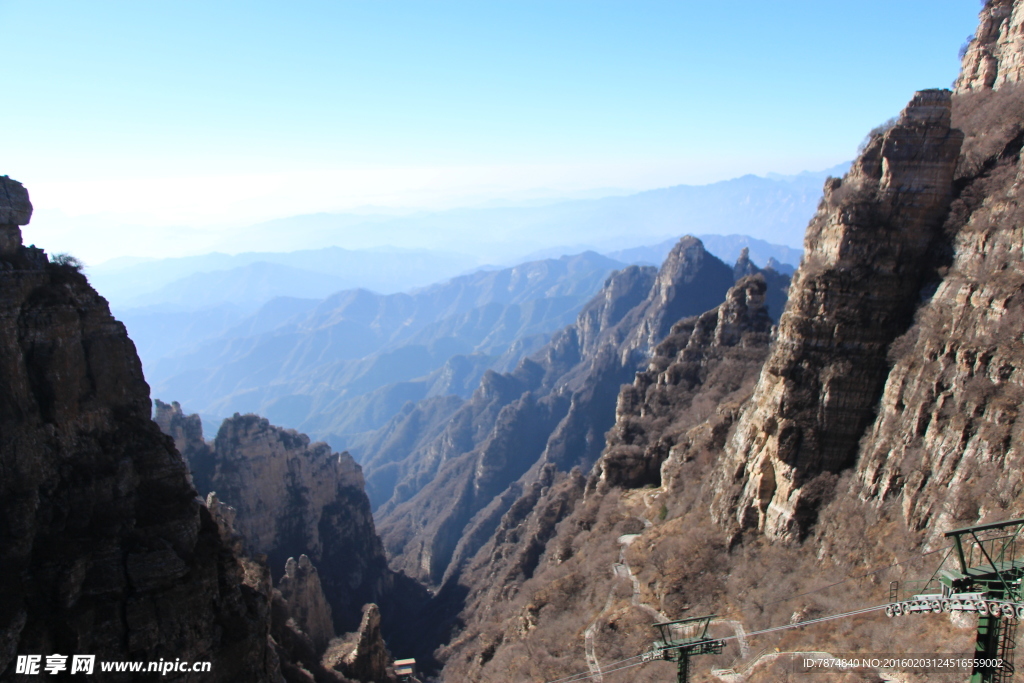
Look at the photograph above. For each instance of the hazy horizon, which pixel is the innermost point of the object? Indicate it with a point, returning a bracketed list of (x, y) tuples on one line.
[(146, 129)]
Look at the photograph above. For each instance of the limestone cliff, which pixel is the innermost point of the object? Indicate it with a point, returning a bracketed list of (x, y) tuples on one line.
[(946, 442), (867, 255), (887, 411), (104, 547), (292, 498), (995, 55)]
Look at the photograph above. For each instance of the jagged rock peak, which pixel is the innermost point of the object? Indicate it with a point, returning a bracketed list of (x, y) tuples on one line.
[(367, 658), (15, 210), (689, 281), (682, 264), (292, 497), (995, 55), (653, 413), (866, 254), (744, 266), (301, 589)]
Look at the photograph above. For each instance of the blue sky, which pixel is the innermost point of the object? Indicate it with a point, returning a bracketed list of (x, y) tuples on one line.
[(118, 111)]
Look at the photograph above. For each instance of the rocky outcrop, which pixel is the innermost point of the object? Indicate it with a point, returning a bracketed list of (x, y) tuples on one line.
[(104, 547), (300, 587), (946, 442), (866, 259), (704, 361), (291, 498), (995, 55), (15, 211), (363, 657)]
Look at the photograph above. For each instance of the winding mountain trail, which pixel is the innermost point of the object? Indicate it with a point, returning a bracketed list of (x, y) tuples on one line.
[(622, 569)]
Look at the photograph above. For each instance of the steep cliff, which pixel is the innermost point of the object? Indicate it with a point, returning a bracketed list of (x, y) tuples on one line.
[(886, 412), (866, 258), (292, 499), (995, 56), (104, 547)]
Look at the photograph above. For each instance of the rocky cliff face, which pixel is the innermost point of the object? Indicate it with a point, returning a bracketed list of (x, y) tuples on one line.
[(867, 255), (945, 445), (704, 362), (292, 498), (995, 56), (104, 547), (886, 412), (300, 587), (364, 657)]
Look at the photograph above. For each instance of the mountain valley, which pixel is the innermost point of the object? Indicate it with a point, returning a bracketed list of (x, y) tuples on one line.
[(514, 473)]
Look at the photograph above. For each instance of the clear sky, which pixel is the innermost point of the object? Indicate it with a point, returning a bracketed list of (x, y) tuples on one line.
[(215, 112)]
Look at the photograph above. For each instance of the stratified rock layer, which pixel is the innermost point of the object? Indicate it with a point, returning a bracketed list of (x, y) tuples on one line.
[(947, 440), (104, 547), (866, 259)]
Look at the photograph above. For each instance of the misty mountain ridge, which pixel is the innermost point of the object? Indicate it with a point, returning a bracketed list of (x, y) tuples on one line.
[(775, 209), (308, 362), (445, 244)]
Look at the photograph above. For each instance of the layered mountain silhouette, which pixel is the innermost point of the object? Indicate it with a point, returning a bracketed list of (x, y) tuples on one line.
[(346, 364), (444, 478)]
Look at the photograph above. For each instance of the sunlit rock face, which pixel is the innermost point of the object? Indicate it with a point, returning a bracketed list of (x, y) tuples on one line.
[(995, 56), (946, 444), (104, 547), (867, 255)]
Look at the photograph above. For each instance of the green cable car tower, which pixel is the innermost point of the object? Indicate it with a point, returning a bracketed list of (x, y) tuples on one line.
[(681, 640), (987, 580)]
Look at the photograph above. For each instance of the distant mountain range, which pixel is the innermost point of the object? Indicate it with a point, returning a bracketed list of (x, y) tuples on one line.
[(347, 363), (252, 278), (767, 215), (341, 365), (774, 209)]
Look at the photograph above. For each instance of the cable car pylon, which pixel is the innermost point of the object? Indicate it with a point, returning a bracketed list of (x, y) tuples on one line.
[(987, 581), (682, 639)]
